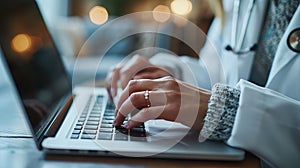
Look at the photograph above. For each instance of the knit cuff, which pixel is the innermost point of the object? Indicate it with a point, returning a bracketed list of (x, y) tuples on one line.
[(221, 112)]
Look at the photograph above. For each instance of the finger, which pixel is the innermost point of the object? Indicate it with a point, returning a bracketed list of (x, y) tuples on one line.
[(133, 86), (119, 119), (137, 100), (134, 101), (108, 85), (146, 75), (114, 81), (132, 67), (123, 112), (125, 78), (144, 115), (138, 86)]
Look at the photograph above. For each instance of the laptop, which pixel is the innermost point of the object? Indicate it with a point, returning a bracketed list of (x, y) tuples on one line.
[(79, 121)]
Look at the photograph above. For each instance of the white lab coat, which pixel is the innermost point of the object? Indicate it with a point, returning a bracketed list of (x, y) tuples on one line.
[(268, 119)]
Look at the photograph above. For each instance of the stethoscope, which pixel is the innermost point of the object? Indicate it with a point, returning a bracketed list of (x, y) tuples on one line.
[(293, 40), (236, 46)]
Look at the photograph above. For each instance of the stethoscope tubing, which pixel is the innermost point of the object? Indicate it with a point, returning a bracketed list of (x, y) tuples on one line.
[(237, 46)]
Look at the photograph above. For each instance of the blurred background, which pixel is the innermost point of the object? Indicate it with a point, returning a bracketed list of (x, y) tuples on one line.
[(73, 21)]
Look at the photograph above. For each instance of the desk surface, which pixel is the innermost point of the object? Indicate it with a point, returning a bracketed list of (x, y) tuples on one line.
[(22, 152)]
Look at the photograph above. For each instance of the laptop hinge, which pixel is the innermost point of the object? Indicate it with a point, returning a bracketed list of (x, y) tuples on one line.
[(57, 121)]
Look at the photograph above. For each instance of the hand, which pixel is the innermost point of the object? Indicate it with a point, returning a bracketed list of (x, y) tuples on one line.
[(136, 68), (169, 99)]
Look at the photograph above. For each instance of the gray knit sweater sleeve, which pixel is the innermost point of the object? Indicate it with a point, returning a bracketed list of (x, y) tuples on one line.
[(220, 116)]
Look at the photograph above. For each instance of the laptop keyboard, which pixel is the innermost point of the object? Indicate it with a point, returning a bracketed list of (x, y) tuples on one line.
[(93, 125)]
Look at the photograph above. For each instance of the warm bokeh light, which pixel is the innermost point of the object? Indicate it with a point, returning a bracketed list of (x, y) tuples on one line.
[(98, 15), (181, 7), (161, 13), (21, 43)]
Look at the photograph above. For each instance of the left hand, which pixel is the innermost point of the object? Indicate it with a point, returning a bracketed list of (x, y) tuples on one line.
[(136, 68), (169, 99)]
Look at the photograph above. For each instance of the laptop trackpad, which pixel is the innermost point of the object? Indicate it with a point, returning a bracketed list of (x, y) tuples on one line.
[(159, 130)]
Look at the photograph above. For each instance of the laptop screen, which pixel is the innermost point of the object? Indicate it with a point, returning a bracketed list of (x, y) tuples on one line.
[(32, 59)]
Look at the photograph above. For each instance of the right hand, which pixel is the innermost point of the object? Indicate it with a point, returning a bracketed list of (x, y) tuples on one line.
[(136, 68)]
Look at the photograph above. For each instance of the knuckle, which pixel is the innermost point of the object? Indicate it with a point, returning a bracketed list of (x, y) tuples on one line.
[(116, 69), (134, 97), (127, 72), (172, 83), (169, 78), (124, 72), (132, 83), (136, 57)]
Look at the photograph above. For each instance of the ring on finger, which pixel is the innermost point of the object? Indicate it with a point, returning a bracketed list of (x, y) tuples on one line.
[(146, 96)]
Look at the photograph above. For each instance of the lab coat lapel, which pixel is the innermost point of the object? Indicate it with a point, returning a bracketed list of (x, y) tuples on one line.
[(284, 55)]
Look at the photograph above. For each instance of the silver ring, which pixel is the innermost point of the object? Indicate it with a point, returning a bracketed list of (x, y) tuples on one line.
[(146, 96)]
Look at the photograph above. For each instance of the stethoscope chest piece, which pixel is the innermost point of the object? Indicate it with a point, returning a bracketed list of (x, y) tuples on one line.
[(293, 40)]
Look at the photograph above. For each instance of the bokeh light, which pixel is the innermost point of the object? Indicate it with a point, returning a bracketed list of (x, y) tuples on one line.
[(161, 13), (181, 7), (21, 43), (98, 15)]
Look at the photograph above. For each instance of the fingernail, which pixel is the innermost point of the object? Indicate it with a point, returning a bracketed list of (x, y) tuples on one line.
[(126, 125), (116, 122)]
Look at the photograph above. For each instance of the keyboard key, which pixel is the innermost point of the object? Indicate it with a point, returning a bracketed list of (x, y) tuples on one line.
[(78, 127), (95, 115), (87, 131), (76, 132), (105, 136), (79, 123), (74, 136), (91, 127), (93, 119), (142, 139), (107, 121), (121, 129), (138, 137), (81, 119), (96, 112), (88, 136), (109, 117), (137, 132), (106, 130), (109, 111), (120, 136), (92, 123), (141, 126), (106, 126)]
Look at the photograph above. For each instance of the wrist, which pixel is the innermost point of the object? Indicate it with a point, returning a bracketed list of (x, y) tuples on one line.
[(203, 106)]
